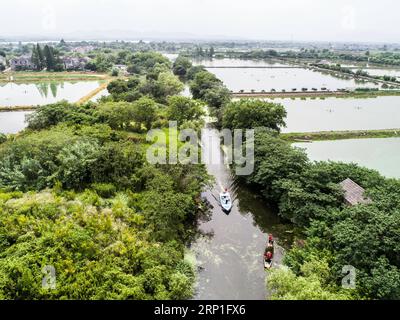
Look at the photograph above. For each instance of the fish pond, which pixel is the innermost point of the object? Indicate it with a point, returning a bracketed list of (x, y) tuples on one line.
[(41, 93), (382, 155)]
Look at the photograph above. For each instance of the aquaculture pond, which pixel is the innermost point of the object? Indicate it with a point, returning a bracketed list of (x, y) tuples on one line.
[(287, 79), (338, 114), (227, 62), (27, 94), (382, 155), (12, 122)]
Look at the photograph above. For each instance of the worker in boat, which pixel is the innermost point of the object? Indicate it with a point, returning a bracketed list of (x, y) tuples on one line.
[(271, 240), (226, 198), (268, 256)]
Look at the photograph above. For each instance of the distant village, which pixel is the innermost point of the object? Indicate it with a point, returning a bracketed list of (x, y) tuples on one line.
[(68, 62), (60, 57)]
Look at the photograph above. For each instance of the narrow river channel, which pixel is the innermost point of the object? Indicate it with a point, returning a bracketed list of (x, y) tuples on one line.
[(230, 249)]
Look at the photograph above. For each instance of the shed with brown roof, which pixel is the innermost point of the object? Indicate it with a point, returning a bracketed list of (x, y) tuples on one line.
[(353, 193)]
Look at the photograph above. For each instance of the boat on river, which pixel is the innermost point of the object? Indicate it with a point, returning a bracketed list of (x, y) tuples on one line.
[(267, 264), (226, 201)]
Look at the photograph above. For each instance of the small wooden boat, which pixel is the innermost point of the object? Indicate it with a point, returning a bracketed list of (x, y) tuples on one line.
[(267, 264), (226, 201)]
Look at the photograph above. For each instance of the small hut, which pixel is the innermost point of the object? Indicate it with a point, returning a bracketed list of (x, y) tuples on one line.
[(353, 193)]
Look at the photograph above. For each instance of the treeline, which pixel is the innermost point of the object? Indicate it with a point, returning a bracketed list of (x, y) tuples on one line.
[(46, 58), (204, 85), (383, 58), (308, 194), (78, 195), (358, 73)]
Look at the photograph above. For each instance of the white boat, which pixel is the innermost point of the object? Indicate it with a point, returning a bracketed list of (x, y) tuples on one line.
[(226, 201)]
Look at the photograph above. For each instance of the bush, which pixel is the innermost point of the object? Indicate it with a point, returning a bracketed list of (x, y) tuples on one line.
[(251, 114), (104, 190), (3, 138)]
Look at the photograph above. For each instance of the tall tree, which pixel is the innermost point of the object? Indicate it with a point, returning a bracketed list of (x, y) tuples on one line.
[(38, 57), (35, 58), (212, 52), (41, 56), (49, 57)]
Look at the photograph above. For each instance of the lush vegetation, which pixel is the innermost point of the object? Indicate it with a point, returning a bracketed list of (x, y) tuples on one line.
[(152, 77), (308, 194), (250, 114), (46, 57), (382, 56), (77, 193), (340, 135)]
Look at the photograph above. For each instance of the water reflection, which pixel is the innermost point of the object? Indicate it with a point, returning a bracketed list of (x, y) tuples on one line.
[(40, 93)]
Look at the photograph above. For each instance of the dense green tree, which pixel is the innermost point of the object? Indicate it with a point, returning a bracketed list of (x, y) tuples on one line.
[(145, 113), (168, 85), (250, 114), (191, 73), (286, 286), (3, 138), (49, 57), (75, 163), (118, 115), (52, 114), (202, 82), (181, 66), (183, 109)]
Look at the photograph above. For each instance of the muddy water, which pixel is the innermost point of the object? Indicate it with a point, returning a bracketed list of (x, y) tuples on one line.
[(230, 249)]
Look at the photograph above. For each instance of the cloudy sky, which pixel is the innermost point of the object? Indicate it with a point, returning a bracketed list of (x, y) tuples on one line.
[(333, 20)]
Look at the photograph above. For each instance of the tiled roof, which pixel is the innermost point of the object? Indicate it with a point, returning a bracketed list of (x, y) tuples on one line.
[(353, 193)]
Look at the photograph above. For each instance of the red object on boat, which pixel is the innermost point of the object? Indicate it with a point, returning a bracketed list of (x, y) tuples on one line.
[(268, 255)]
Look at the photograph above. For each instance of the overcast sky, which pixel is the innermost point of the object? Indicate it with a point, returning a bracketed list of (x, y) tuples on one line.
[(330, 20)]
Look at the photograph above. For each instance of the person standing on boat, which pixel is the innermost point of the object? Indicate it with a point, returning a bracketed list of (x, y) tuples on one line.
[(268, 256), (271, 240)]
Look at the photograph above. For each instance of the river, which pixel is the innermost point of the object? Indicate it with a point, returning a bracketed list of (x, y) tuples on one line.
[(229, 249)]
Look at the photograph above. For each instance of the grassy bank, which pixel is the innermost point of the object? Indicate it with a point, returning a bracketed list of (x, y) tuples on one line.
[(33, 76), (90, 95), (16, 108), (339, 135), (316, 95)]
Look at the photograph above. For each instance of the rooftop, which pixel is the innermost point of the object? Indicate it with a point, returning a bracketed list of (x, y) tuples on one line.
[(353, 193)]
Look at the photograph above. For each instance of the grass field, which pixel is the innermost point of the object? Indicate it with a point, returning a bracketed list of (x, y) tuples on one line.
[(339, 135), (51, 76)]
